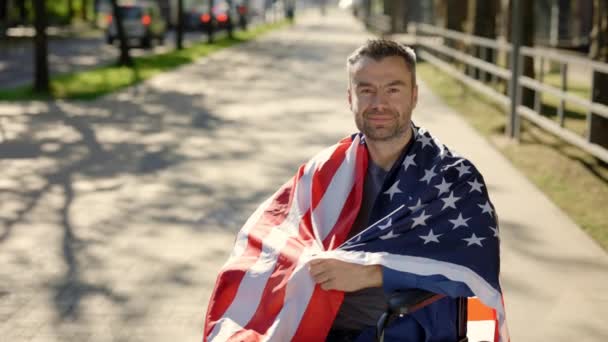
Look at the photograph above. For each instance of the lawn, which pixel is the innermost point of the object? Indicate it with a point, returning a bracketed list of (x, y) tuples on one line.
[(90, 84)]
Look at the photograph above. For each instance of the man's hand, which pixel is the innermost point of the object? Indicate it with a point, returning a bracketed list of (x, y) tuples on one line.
[(334, 274)]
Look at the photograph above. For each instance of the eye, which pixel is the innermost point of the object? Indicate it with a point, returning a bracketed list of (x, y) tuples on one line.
[(365, 91), (393, 90)]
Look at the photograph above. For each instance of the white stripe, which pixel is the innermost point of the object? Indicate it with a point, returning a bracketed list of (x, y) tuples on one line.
[(242, 238), (480, 331), (326, 214), (250, 290), (300, 288), (426, 267)]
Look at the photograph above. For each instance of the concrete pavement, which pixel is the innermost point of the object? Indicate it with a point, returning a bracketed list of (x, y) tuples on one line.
[(116, 214)]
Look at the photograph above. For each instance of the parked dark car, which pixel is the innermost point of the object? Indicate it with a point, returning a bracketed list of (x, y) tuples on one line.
[(142, 22), (224, 15)]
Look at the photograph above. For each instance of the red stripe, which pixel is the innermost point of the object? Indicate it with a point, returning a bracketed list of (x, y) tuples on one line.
[(319, 315), (230, 278), (325, 173), (351, 206), (274, 292), (273, 295)]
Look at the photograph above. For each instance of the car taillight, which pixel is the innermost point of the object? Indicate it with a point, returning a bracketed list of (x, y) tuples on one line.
[(109, 19), (222, 17), (146, 20), (205, 18)]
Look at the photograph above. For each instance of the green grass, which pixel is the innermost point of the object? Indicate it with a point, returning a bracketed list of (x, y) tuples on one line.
[(90, 84), (574, 180)]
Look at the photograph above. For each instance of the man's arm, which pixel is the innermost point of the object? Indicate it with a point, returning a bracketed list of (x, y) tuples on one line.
[(334, 274)]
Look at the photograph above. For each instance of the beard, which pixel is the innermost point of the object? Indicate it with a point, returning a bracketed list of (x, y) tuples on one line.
[(390, 130)]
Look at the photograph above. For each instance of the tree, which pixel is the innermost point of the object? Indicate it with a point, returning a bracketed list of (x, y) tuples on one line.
[(482, 23), (179, 32), (598, 132), (23, 13), (526, 15), (41, 67), (211, 22), (125, 57), (70, 11), (456, 14), (527, 39)]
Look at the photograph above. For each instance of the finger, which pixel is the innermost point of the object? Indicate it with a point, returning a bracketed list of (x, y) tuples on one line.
[(317, 261), (321, 277), (318, 268), (328, 285)]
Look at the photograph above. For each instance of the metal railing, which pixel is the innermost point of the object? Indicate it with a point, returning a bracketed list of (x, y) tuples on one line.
[(463, 62)]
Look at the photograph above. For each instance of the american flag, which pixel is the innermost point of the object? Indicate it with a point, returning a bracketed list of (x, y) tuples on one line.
[(434, 228)]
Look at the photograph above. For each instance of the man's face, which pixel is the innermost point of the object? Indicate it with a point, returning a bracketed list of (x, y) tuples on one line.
[(382, 97)]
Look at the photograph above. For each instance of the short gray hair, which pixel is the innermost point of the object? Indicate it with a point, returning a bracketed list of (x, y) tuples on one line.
[(378, 49)]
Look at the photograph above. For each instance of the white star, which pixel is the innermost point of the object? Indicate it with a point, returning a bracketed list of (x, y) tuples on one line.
[(460, 221), (418, 205), (428, 175), (391, 234), (394, 189), (425, 140), (450, 201), (388, 224), (474, 240), (443, 187), (475, 186), (495, 230), (431, 237), (463, 169), (487, 208), (409, 160), (420, 220)]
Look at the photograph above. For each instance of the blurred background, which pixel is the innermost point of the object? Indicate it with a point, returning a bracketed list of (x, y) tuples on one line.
[(137, 136)]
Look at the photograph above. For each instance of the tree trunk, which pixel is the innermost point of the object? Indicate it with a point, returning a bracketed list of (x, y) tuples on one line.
[(456, 16), (456, 11), (70, 10), (526, 16), (23, 15), (125, 57), (527, 39), (179, 30), (211, 22), (41, 73), (84, 10), (598, 126), (3, 11), (484, 13), (230, 21)]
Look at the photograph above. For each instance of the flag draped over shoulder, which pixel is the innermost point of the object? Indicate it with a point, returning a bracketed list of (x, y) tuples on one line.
[(434, 228)]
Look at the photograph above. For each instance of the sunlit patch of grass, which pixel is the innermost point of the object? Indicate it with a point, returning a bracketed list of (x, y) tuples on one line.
[(90, 84)]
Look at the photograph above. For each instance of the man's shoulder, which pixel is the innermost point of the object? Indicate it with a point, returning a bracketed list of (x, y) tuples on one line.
[(434, 155)]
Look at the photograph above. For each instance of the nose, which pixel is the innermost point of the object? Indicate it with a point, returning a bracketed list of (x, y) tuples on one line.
[(379, 101)]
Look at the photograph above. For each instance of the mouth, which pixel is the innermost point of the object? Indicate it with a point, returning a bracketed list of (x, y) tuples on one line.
[(379, 118)]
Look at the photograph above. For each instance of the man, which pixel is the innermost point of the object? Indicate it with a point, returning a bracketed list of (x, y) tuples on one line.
[(388, 208)]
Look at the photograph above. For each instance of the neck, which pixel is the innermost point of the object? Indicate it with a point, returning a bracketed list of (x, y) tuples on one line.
[(384, 153)]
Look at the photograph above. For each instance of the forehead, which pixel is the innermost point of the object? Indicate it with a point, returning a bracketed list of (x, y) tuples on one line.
[(389, 69)]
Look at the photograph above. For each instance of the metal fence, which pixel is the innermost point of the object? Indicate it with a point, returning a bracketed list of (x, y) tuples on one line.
[(463, 56)]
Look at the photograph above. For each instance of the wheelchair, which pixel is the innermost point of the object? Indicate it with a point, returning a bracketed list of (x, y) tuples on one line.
[(405, 302)]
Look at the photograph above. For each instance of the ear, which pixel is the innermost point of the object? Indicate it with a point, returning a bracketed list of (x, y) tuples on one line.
[(350, 97), (414, 96)]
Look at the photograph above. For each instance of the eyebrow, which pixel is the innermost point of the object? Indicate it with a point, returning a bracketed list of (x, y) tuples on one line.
[(390, 84)]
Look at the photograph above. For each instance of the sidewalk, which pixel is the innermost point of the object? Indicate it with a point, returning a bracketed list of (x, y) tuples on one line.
[(115, 215)]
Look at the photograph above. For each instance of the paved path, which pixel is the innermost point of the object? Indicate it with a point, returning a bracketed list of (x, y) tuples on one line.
[(116, 214)]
